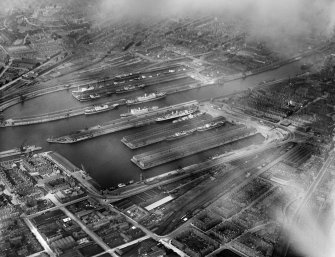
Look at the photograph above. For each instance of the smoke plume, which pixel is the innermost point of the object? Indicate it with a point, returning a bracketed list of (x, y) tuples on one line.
[(310, 231), (283, 24)]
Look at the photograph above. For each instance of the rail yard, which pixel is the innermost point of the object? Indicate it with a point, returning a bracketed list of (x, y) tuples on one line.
[(187, 135)]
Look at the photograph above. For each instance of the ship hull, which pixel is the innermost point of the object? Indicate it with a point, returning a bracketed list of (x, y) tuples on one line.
[(177, 137), (68, 140), (176, 116), (148, 100), (137, 114), (103, 110), (94, 112), (120, 91), (80, 98), (125, 91), (209, 128), (130, 114)]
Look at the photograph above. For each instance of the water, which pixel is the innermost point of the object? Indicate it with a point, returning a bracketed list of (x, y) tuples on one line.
[(227, 253), (106, 158)]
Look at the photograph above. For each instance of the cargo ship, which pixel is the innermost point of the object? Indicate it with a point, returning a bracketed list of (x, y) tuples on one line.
[(181, 134), (146, 98), (139, 111), (99, 108), (18, 151), (70, 138), (188, 117), (88, 97), (129, 88), (176, 114), (210, 125)]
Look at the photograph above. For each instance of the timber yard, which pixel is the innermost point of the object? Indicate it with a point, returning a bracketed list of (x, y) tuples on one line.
[(176, 135)]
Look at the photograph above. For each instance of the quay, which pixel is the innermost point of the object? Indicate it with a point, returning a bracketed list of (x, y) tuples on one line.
[(52, 116), (110, 88), (182, 149), (20, 151), (155, 135), (121, 124)]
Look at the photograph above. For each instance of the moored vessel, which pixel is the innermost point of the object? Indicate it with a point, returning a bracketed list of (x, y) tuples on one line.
[(99, 108), (211, 125), (129, 88), (176, 114), (146, 98), (188, 117), (181, 134), (139, 111)]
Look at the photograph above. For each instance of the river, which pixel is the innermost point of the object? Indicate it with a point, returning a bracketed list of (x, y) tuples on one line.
[(106, 158)]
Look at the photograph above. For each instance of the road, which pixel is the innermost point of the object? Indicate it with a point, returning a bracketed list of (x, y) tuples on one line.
[(193, 169), (284, 245), (39, 237), (4, 49), (97, 239), (150, 233), (163, 239), (236, 176), (6, 67), (94, 236), (49, 196), (30, 71)]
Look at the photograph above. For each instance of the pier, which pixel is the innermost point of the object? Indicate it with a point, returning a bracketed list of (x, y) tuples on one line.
[(121, 124), (109, 88), (52, 116), (186, 148), (155, 135)]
